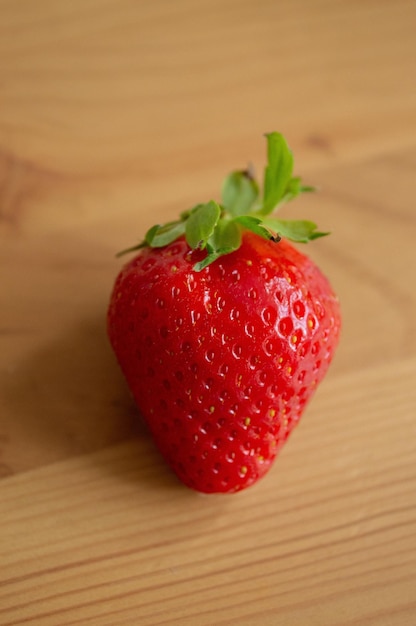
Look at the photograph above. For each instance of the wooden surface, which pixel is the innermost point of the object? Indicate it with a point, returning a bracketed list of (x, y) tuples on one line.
[(114, 115)]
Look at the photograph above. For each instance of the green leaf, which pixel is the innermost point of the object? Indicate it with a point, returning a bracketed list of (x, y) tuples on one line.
[(201, 223), (149, 236), (185, 214), (239, 192), (254, 224), (210, 258), (294, 189), (278, 172), (161, 236), (300, 231), (225, 239), (307, 189)]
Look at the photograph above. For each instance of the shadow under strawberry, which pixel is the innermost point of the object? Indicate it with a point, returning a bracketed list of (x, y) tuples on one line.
[(68, 399)]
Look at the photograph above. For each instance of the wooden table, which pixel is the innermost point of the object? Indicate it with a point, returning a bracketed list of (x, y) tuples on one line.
[(114, 115)]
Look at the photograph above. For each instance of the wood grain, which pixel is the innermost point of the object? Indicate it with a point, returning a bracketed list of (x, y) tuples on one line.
[(117, 114), (111, 537)]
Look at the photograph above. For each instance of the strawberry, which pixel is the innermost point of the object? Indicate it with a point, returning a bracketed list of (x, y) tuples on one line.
[(223, 329)]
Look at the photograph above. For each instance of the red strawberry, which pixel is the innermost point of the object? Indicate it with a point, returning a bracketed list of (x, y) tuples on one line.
[(223, 330)]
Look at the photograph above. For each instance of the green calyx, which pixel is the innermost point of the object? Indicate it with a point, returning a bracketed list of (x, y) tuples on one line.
[(217, 228)]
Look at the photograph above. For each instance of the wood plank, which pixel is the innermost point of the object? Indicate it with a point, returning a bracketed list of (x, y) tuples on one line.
[(328, 535), (103, 90), (118, 114)]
